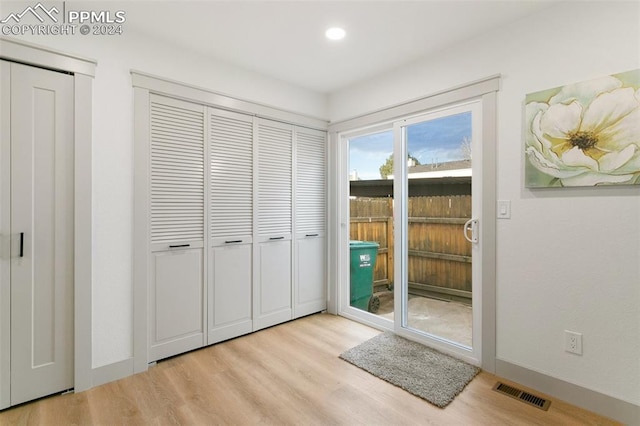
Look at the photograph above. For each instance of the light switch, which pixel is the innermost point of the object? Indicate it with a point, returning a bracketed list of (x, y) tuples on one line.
[(504, 209)]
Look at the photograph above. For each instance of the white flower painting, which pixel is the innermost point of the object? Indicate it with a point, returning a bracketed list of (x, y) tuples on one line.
[(584, 134)]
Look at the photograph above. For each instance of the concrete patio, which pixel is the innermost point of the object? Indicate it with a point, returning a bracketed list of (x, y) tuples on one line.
[(446, 319)]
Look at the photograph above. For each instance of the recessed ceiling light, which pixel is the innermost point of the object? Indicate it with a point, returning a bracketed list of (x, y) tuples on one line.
[(335, 33)]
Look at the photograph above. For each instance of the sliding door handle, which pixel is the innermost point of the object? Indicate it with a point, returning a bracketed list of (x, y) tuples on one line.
[(471, 225), (22, 244)]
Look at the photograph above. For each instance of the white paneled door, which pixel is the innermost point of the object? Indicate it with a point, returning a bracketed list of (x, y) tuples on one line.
[(41, 229)]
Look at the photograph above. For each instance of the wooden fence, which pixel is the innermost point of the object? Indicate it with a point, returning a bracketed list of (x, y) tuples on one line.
[(439, 255)]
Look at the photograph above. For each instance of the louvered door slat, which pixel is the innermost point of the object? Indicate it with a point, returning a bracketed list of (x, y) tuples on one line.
[(310, 180), (177, 171), (171, 144), (231, 142)]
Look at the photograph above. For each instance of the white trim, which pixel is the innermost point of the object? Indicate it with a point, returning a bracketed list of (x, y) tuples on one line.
[(386, 126), (488, 241), (439, 174), (33, 54), (196, 94), (141, 246), (112, 372), (84, 70), (334, 205), (435, 100), (206, 249), (588, 399), (83, 86), (5, 237), (366, 318)]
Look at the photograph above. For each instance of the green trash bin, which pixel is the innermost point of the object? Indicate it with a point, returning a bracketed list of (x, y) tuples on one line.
[(363, 263)]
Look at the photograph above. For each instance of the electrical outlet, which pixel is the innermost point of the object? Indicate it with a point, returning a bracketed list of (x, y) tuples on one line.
[(573, 342)]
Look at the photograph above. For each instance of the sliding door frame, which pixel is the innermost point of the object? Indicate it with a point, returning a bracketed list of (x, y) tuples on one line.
[(485, 91)]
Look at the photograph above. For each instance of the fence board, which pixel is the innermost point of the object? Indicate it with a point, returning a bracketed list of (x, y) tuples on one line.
[(439, 255)]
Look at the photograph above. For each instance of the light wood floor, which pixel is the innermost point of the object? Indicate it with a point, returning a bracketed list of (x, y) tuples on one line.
[(289, 374)]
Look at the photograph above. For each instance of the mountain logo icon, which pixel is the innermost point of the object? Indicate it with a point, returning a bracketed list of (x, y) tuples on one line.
[(39, 11)]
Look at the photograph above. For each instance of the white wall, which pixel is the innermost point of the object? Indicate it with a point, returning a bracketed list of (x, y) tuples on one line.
[(113, 156), (568, 258)]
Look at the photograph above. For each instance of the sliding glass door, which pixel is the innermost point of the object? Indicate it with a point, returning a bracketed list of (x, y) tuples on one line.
[(437, 228), (411, 225)]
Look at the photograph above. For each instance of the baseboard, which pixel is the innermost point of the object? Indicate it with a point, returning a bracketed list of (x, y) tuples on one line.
[(602, 404), (111, 372)]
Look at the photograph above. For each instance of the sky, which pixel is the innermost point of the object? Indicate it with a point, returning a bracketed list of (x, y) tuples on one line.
[(437, 140)]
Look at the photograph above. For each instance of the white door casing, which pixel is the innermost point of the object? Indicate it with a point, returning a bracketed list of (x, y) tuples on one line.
[(83, 70)]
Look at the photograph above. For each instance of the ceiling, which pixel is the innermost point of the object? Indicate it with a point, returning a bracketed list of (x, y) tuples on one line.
[(285, 39)]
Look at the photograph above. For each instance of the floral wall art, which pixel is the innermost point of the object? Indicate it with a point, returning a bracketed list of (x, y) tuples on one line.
[(584, 134)]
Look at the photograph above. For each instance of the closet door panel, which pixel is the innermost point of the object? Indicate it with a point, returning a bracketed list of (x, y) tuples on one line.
[(274, 295), (177, 171), (310, 280), (231, 224), (230, 292), (275, 149), (40, 205), (176, 301), (177, 226), (231, 200), (310, 182), (273, 275), (310, 286)]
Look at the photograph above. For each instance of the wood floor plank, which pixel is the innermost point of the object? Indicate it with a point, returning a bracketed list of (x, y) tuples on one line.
[(284, 375)]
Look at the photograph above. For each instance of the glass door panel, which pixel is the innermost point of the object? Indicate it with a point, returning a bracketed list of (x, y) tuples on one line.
[(371, 224), (437, 207)]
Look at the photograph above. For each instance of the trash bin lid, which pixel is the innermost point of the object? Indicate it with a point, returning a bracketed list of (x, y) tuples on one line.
[(363, 244)]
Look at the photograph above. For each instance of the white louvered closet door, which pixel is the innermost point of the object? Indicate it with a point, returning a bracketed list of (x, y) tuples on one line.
[(272, 278), (177, 229), (231, 224), (310, 222)]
